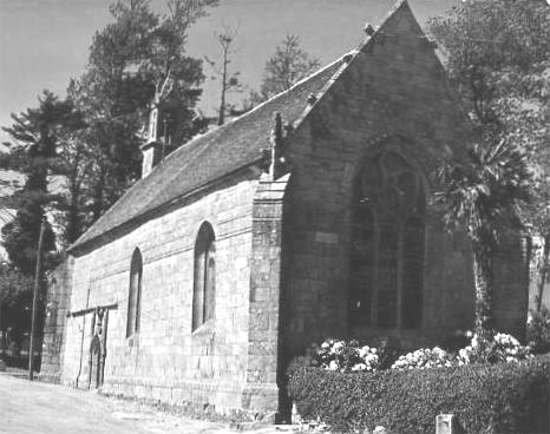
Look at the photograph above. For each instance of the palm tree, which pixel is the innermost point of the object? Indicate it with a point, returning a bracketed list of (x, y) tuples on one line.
[(482, 193)]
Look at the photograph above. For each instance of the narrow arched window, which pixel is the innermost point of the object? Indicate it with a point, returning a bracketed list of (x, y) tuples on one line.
[(134, 295), (204, 289), (387, 255)]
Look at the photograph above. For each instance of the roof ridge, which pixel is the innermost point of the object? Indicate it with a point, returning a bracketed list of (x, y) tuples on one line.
[(298, 83), (250, 112), (262, 104), (393, 10), (256, 108), (370, 39), (189, 157)]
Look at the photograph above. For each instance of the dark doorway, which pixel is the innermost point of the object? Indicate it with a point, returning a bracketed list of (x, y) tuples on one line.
[(96, 362)]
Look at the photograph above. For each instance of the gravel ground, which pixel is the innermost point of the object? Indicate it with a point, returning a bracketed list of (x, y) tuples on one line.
[(39, 408)]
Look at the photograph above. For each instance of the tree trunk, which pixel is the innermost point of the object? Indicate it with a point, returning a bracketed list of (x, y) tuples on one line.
[(483, 275), (98, 195), (542, 271), (73, 218), (221, 114)]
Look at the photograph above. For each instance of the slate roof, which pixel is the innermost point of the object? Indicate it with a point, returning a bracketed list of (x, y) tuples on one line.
[(209, 157)]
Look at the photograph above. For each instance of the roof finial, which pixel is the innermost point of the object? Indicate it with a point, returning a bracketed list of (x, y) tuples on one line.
[(276, 166), (369, 30)]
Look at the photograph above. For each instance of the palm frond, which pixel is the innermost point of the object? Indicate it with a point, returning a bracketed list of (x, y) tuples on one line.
[(485, 189)]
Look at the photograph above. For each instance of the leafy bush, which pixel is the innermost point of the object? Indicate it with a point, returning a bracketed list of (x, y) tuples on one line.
[(459, 339), (512, 397), (390, 349), (538, 331)]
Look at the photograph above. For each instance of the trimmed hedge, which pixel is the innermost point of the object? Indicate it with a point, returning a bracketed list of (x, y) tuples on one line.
[(503, 398)]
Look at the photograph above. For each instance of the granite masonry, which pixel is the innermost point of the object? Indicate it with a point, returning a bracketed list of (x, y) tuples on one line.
[(309, 216)]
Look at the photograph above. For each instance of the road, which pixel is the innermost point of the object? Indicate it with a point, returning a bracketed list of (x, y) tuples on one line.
[(39, 408)]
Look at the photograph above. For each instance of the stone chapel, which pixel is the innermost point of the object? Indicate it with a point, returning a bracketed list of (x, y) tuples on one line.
[(307, 217)]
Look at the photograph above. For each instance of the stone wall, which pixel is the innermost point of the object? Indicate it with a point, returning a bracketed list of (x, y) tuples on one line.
[(393, 95), (264, 379), (511, 298), (166, 360), (57, 307)]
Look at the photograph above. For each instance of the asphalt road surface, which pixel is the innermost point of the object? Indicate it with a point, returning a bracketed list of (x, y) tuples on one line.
[(38, 408)]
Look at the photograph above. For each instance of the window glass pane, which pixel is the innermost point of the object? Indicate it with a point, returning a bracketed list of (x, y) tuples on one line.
[(393, 162), (134, 294), (210, 287), (387, 245), (413, 273), (204, 288), (387, 272), (362, 267), (198, 292)]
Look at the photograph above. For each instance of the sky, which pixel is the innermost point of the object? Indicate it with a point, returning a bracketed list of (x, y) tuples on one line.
[(44, 43)]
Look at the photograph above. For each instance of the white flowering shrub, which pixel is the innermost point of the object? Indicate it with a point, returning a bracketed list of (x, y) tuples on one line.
[(370, 359), (424, 358), (339, 355), (503, 348), (343, 356)]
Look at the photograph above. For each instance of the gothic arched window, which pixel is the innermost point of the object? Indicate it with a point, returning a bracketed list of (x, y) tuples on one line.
[(387, 257), (134, 296), (204, 290)]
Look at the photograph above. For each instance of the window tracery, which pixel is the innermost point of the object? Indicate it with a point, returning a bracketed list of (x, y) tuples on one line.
[(387, 258)]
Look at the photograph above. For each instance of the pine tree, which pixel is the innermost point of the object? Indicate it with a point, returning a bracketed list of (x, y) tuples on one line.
[(129, 59), (288, 65), (36, 137)]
